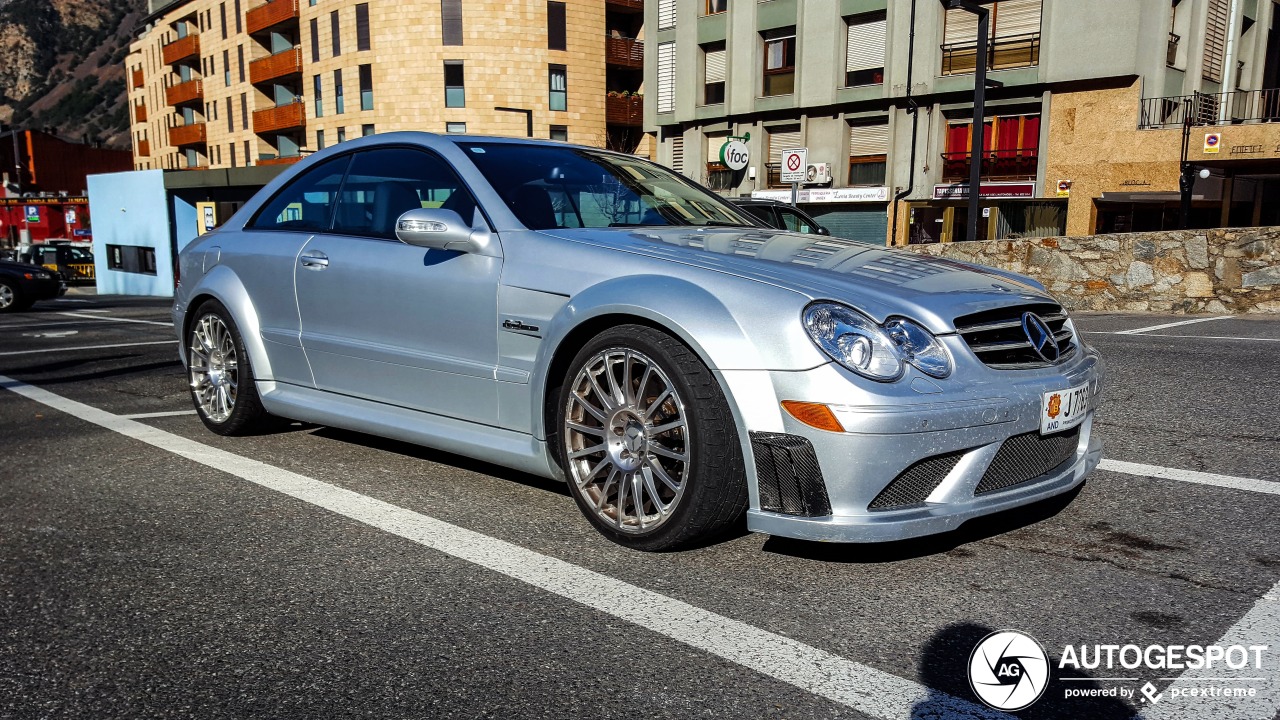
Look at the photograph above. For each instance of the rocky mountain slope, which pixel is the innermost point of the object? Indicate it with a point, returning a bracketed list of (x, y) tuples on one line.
[(62, 66)]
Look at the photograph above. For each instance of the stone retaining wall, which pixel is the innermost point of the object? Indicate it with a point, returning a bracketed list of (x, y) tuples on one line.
[(1183, 271)]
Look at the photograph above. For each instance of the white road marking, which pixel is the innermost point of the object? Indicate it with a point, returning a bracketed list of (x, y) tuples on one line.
[(1198, 337), (1191, 476), (115, 319), (77, 301), (86, 347), (1174, 324), (172, 413), (865, 689), (1259, 626)]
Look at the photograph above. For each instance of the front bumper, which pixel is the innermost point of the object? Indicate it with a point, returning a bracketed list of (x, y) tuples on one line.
[(892, 428)]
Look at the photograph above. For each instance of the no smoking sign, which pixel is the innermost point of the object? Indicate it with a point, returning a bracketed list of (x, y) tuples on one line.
[(794, 165)]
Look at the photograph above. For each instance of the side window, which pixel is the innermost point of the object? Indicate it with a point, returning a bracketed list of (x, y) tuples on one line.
[(794, 222), (383, 184), (306, 204), (764, 212)]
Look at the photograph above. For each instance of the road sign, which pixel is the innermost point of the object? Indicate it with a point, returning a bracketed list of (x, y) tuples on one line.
[(795, 163), (1212, 143)]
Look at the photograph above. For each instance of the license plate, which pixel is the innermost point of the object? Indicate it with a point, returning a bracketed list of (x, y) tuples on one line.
[(1063, 409)]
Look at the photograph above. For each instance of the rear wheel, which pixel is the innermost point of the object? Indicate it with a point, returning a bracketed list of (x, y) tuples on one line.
[(11, 299), (647, 441), (221, 378)]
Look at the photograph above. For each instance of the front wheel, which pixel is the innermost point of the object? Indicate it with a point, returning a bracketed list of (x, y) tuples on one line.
[(647, 441), (221, 378), (11, 299)]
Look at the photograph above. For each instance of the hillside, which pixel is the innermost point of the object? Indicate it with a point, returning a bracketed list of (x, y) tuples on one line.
[(62, 66)]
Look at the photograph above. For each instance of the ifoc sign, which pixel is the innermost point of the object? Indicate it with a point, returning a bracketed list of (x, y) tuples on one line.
[(735, 155)]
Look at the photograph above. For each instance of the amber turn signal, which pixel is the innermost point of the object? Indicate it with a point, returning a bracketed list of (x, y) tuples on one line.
[(813, 414)]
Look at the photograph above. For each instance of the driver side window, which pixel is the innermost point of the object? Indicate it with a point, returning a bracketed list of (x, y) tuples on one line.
[(306, 204), (385, 183)]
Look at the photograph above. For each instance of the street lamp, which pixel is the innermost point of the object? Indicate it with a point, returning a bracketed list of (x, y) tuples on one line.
[(979, 107)]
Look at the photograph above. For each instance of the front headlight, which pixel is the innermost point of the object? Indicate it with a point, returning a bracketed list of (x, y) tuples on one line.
[(879, 353)]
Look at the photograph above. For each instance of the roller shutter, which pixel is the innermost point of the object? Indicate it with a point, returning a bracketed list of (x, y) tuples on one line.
[(783, 138), (666, 14), (865, 140), (666, 77), (714, 143), (715, 66), (677, 154), (1017, 17), (868, 224), (865, 46), (1215, 40)]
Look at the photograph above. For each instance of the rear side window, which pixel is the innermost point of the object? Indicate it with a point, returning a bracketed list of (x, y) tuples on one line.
[(764, 212), (384, 184), (794, 222), (307, 203)]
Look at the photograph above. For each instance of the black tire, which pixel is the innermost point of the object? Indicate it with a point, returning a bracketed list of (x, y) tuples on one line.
[(714, 493), (15, 301), (246, 415)]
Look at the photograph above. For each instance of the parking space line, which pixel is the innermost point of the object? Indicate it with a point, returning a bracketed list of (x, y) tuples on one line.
[(115, 319), (86, 347), (863, 688), (172, 413), (1197, 337), (1166, 326), (1191, 476)]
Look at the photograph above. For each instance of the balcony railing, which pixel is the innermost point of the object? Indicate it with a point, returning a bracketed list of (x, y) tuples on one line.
[(138, 80), (189, 91), (181, 49), (140, 113), (281, 160), (624, 110), (1242, 107), (275, 66), (280, 117), (1003, 53), (1011, 164), (144, 148), (269, 15), (626, 52), (193, 134)]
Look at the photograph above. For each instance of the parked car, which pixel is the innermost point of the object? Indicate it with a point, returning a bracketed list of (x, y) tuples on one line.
[(591, 316), (22, 284), (74, 262), (780, 216)]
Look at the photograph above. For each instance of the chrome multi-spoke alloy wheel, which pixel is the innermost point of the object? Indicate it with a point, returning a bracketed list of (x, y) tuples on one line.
[(627, 440), (214, 368), (7, 296)]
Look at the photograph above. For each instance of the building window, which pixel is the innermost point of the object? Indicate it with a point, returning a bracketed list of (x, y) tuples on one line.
[(666, 14), (231, 117), (317, 94), (335, 30), (342, 135), (781, 139), (456, 128), (315, 40), (556, 25), (319, 140), (1011, 149), (719, 177), (666, 77), (559, 93), (713, 66), (366, 130), (779, 62), (716, 6), (339, 102), (231, 150), (244, 118), (132, 259), (865, 50), (248, 159), (455, 90), (451, 22), (1014, 35), (868, 153), (366, 87), (362, 26), (559, 132), (222, 11), (240, 53), (226, 67), (239, 25)]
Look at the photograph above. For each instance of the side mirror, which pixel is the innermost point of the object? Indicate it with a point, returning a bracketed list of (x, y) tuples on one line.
[(437, 229), (823, 231)]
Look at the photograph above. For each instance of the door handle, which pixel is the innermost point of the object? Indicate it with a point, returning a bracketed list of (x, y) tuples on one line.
[(314, 261)]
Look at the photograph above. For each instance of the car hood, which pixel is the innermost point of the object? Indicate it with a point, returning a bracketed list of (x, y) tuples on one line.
[(878, 281)]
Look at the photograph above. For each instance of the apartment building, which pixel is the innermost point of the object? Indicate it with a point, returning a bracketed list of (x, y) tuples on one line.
[(1082, 125), (236, 83)]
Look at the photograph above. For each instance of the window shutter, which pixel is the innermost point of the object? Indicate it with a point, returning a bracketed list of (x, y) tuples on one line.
[(1017, 17), (666, 14), (1215, 40), (556, 26), (867, 140), (714, 143), (961, 29), (362, 26), (451, 21), (783, 138), (666, 77), (865, 47), (677, 154), (715, 66)]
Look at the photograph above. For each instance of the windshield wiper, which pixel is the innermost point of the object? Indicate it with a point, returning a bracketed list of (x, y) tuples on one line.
[(725, 223)]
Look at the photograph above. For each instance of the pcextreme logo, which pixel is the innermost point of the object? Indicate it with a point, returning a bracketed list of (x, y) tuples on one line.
[(1008, 670)]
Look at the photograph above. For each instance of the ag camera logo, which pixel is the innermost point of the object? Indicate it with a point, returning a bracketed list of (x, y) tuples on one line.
[(1008, 670)]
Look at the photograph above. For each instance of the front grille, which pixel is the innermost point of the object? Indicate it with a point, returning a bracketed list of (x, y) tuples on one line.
[(1027, 457), (916, 483), (788, 476), (997, 338)]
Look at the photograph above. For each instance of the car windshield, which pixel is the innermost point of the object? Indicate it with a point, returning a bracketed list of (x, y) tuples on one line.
[(568, 187), (79, 255)]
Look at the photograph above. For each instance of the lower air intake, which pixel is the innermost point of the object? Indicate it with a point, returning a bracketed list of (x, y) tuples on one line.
[(916, 483), (788, 475), (1026, 457)]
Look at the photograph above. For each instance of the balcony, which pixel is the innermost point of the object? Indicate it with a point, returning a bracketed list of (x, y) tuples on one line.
[(624, 52), (1012, 164), (137, 80), (265, 17), (143, 149), (181, 49), (285, 160), (1242, 107), (140, 113), (624, 110), (1003, 53), (280, 117), (275, 66), (193, 134), (189, 91)]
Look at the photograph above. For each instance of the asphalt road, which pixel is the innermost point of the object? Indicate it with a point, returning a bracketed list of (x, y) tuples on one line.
[(182, 574)]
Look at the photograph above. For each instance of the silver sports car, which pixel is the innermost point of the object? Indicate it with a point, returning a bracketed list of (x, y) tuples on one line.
[(591, 316)]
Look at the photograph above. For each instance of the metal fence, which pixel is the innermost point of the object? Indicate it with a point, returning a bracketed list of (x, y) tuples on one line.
[(1231, 108)]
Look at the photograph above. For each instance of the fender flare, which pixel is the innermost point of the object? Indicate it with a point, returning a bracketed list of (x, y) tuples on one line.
[(222, 284)]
